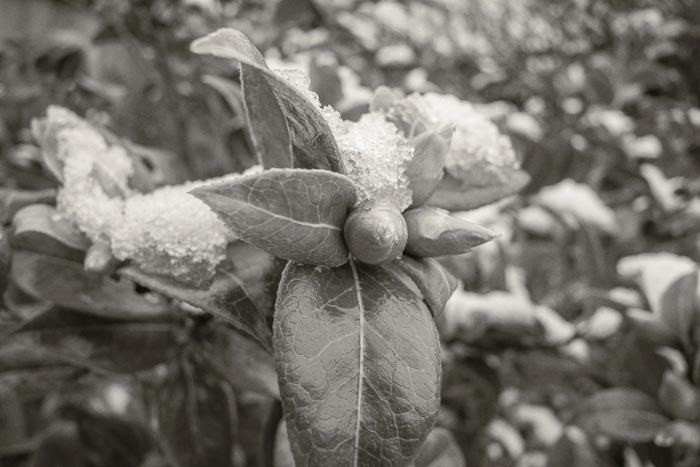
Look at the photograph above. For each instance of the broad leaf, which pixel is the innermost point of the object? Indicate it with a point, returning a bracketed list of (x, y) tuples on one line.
[(358, 360), (440, 450), (623, 414), (434, 282), (309, 129), (65, 283), (452, 195), (294, 214), (241, 294), (268, 126), (41, 228), (196, 417), (68, 337), (434, 232), (679, 309)]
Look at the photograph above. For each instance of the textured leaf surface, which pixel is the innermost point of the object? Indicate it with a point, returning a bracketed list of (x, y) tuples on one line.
[(434, 282), (241, 294), (440, 450), (358, 361), (266, 120), (452, 195), (310, 131), (434, 232), (65, 283), (294, 214)]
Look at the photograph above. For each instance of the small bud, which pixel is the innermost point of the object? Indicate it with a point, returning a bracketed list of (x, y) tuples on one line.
[(375, 232), (434, 232)]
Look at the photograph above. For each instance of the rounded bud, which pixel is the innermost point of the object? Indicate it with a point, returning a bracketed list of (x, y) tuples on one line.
[(375, 232)]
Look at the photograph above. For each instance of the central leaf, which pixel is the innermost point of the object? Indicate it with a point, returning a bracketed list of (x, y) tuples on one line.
[(358, 361), (294, 214)]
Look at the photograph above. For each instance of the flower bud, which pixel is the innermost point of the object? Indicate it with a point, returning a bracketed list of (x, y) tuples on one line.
[(375, 232), (434, 232)]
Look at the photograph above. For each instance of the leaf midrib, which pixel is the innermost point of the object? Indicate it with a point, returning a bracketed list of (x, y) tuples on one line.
[(360, 371)]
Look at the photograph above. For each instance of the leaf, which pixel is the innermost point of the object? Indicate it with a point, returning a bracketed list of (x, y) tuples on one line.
[(440, 450), (434, 232), (679, 397), (309, 129), (452, 195), (434, 282), (40, 228), (325, 79), (69, 337), (425, 169), (268, 126), (295, 214), (241, 294), (626, 415), (679, 308), (12, 201), (66, 284), (195, 417), (358, 360), (246, 364)]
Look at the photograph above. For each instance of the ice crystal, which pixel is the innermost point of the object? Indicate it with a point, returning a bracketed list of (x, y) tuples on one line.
[(375, 155), (374, 151), (478, 148)]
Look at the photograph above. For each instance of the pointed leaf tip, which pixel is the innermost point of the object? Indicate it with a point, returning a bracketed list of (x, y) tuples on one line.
[(434, 232), (295, 214)]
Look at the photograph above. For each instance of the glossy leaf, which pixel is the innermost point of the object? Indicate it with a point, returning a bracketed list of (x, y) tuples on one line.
[(195, 417), (310, 131), (268, 126), (434, 232), (295, 214), (440, 450), (357, 355), (434, 282), (623, 414), (65, 283), (679, 397), (241, 294), (452, 195), (425, 169), (679, 308), (40, 228)]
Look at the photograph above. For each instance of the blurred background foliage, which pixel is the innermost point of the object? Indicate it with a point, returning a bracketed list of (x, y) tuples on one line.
[(576, 339)]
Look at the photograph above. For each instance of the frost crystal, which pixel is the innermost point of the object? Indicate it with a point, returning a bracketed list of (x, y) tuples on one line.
[(478, 148), (375, 155), (374, 151), (165, 232)]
